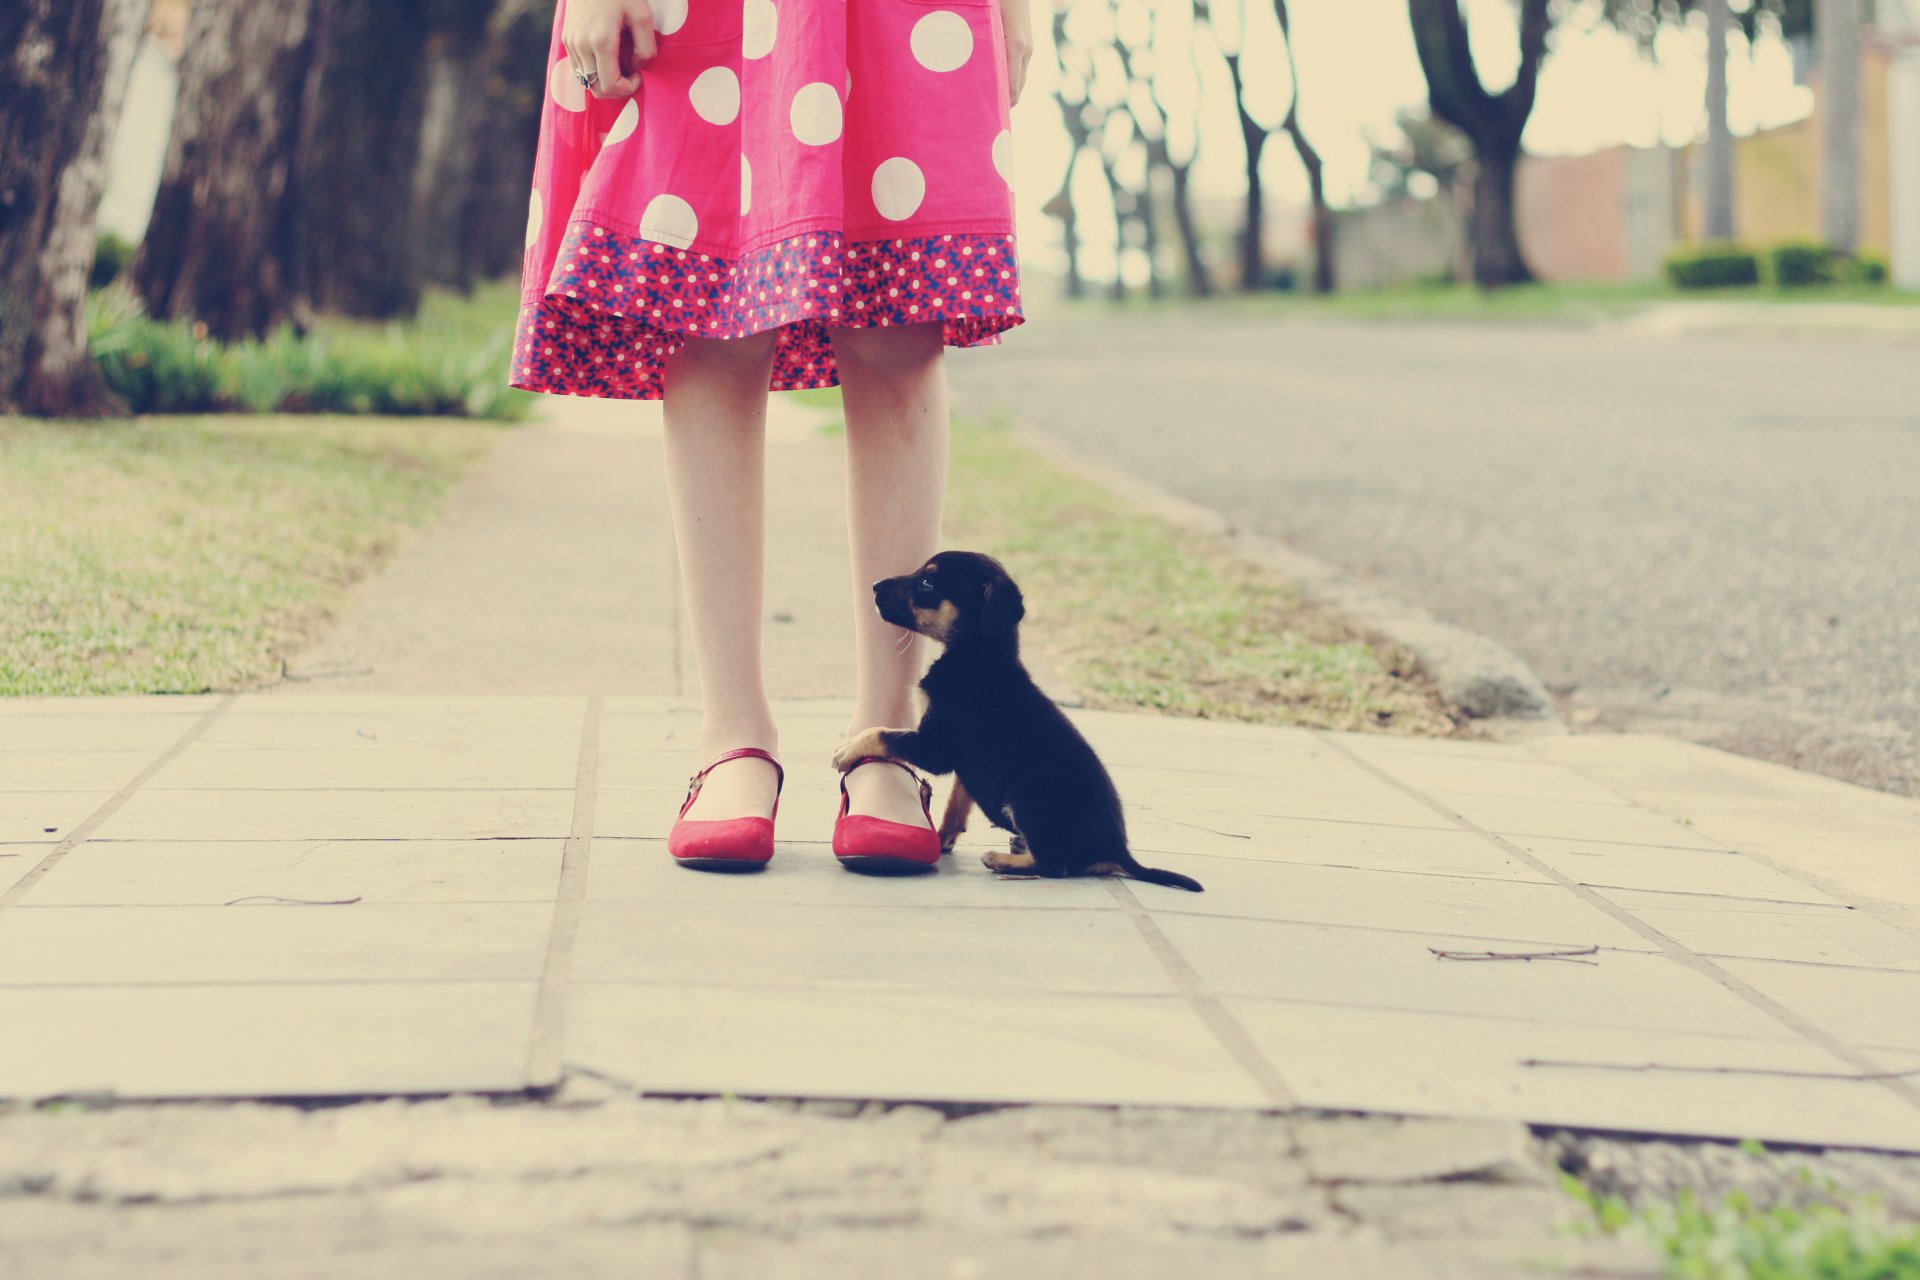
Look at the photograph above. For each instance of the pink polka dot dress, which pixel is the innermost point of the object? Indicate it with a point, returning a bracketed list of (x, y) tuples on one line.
[(790, 165)]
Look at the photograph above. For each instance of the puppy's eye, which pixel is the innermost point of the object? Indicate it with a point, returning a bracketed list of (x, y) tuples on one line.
[(924, 586)]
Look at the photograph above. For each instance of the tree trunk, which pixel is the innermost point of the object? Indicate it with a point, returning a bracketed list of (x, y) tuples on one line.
[(1497, 260), (1253, 232), (470, 207), (1494, 123), (1309, 160), (1837, 29), (61, 89), (1199, 279), (222, 245), (1719, 155), (360, 144)]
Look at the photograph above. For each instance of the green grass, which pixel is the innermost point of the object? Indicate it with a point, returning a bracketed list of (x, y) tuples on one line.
[(1137, 613), (1556, 303), (1813, 1234), (177, 555)]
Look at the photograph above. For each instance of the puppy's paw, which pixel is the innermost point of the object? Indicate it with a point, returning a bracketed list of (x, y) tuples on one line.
[(1008, 863), (867, 742)]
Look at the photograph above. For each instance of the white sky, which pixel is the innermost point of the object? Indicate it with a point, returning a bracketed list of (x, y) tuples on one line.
[(1357, 68)]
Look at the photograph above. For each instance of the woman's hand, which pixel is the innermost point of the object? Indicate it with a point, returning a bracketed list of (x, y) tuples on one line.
[(1017, 23), (592, 34)]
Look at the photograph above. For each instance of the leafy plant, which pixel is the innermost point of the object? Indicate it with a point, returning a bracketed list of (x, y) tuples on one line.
[(1716, 265), (1799, 264), (111, 254), (450, 360), (1868, 269), (1817, 1235)]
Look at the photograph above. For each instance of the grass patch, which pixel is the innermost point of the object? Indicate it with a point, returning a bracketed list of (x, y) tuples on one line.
[(1136, 613), (179, 555), (1813, 1233), (1562, 303)]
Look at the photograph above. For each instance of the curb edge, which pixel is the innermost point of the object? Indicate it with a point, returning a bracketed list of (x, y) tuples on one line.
[(1481, 678)]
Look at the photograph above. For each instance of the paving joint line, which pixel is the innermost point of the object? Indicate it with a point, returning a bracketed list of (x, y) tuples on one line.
[(545, 1064), (1213, 1015), (1786, 869), (112, 803), (1678, 952)]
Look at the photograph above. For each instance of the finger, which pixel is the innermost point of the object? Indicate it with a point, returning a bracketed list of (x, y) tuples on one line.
[(639, 19), (603, 52)]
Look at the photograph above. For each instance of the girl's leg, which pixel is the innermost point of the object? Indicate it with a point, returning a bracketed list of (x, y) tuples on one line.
[(893, 383), (716, 420)]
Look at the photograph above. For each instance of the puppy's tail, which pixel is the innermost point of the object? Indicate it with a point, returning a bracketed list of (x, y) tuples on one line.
[(1126, 866)]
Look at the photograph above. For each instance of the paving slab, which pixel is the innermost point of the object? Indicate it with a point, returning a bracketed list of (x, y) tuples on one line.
[(223, 1038), (186, 873), (348, 893)]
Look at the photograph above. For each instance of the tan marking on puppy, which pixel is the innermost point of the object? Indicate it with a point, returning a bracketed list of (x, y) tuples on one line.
[(954, 819), (997, 861), (937, 623), (1105, 869), (867, 742)]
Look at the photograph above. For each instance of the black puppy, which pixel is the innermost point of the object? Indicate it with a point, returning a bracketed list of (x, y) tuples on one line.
[(1013, 752)]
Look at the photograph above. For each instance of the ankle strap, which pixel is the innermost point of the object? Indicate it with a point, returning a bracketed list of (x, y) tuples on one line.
[(693, 783), (926, 788)]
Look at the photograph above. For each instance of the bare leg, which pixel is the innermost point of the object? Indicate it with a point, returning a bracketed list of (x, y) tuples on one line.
[(716, 421), (893, 383)]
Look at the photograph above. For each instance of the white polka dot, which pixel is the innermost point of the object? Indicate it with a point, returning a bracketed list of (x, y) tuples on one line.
[(760, 22), (568, 92), (1003, 155), (668, 15), (898, 188), (942, 41), (816, 114), (746, 183), (669, 219), (624, 123), (535, 216), (848, 93), (716, 95)]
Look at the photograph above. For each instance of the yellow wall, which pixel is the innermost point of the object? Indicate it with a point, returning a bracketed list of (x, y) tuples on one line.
[(1776, 174)]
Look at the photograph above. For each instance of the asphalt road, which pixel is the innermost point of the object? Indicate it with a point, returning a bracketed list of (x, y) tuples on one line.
[(1710, 535)]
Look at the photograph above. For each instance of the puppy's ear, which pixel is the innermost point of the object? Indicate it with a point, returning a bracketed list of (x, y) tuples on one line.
[(1000, 606)]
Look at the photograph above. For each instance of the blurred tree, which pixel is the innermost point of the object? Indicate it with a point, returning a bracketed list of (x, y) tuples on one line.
[(1426, 146), (1719, 167), (1838, 34), (1253, 136), (294, 166), (62, 82), (222, 245), (1642, 21), (485, 77), (358, 148), (1073, 94), (1309, 160), (1494, 122)]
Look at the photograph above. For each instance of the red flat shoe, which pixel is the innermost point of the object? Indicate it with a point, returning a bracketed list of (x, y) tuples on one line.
[(725, 844), (881, 847)]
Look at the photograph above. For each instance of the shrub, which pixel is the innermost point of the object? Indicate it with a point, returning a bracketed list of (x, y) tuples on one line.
[(111, 254), (1798, 264), (449, 361), (1721, 265), (1868, 269), (155, 367)]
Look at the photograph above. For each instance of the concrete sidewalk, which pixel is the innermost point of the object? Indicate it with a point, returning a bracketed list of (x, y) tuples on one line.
[(432, 885)]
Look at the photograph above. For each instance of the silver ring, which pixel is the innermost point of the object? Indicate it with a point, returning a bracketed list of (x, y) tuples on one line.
[(586, 81)]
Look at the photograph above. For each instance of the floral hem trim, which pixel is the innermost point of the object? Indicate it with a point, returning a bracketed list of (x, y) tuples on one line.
[(616, 306)]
